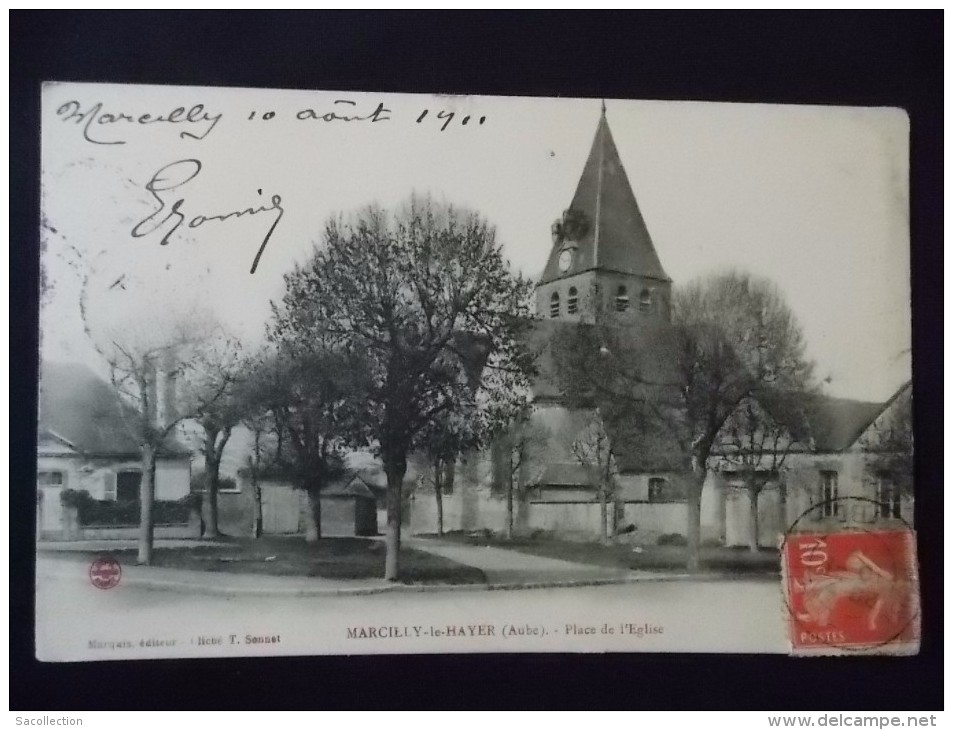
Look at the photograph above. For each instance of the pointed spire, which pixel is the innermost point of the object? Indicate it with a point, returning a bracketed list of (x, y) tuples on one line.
[(613, 236)]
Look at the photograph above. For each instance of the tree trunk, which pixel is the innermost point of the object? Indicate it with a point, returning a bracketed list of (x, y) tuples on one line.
[(210, 503), (694, 514), (721, 508), (256, 519), (438, 493), (313, 524), (753, 492), (147, 494), (509, 505), (603, 516), (782, 504), (395, 480)]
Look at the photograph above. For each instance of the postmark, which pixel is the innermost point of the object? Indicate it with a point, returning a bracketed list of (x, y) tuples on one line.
[(851, 589), (105, 573)]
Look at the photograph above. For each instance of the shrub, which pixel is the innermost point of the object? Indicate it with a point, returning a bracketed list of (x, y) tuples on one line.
[(672, 538), (197, 482), (192, 500), (121, 514), (78, 498)]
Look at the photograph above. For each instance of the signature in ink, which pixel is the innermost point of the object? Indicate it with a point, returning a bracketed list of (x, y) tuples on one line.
[(94, 117), (175, 175)]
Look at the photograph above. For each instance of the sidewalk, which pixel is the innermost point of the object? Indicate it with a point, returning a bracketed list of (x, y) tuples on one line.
[(111, 546), (510, 567)]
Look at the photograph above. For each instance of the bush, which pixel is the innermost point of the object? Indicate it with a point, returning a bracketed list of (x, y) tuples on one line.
[(123, 514), (192, 500), (672, 538), (78, 498)]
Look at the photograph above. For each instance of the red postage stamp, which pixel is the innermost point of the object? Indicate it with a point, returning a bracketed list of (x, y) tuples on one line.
[(852, 592), (105, 573)]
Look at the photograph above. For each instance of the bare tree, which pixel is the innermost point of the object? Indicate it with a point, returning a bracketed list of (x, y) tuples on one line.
[(426, 295), (755, 442), (214, 389), (888, 446), (523, 443), (447, 437), (145, 372), (592, 449), (139, 316)]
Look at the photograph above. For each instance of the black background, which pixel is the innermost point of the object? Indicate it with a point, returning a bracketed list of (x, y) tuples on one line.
[(872, 59)]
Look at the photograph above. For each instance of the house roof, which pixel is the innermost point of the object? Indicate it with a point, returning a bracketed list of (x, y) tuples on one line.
[(79, 408), (614, 236), (837, 423), (567, 475)]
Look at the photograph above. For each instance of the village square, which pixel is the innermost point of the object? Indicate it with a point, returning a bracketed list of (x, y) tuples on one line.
[(421, 414)]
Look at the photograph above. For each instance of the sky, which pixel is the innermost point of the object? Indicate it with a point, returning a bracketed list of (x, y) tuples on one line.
[(814, 198)]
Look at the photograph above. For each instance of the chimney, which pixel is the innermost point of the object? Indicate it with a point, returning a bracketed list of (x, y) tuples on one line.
[(166, 390)]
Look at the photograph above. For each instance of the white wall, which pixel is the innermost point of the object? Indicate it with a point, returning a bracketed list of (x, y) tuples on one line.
[(573, 519), (465, 509), (172, 478)]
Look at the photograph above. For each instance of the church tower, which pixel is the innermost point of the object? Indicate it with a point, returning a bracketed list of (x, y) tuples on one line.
[(602, 257)]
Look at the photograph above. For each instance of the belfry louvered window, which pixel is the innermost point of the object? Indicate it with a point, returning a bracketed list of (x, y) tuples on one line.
[(621, 299), (645, 300), (572, 301), (554, 304)]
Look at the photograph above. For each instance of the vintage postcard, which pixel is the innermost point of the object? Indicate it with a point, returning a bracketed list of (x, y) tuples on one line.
[(359, 373)]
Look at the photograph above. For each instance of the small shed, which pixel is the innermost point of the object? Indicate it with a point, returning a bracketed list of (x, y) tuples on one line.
[(348, 509)]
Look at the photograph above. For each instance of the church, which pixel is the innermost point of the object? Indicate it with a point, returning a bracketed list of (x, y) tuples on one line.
[(603, 262)]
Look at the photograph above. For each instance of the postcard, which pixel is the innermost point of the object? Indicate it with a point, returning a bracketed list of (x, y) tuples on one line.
[(363, 373)]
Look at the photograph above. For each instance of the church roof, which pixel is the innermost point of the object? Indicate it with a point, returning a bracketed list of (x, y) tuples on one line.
[(612, 235)]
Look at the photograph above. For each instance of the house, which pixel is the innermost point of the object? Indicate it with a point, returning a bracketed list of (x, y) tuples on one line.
[(603, 260), (83, 444), (830, 482)]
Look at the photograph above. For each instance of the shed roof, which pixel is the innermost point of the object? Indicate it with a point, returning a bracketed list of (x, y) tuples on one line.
[(353, 486)]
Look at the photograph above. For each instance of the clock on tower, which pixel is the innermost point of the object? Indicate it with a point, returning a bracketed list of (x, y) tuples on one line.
[(565, 259)]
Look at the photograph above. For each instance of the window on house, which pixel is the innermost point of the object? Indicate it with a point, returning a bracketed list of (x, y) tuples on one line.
[(665, 490), (50, 479), (109, 487), (888, 499), (554, 305), (572, 301), (621, 299), (645, 300), (127, 485), (828, 494)]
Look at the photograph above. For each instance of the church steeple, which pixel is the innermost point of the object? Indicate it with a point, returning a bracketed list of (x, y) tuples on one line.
[(603, 236)]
